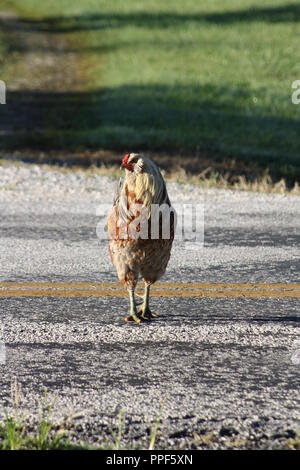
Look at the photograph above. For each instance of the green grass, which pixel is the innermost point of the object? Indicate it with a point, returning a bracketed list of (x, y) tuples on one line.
[(14, 435), (17, 433), (183, 77)]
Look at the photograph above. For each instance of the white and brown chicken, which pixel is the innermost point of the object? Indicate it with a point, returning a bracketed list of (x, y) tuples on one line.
[(133, 254)]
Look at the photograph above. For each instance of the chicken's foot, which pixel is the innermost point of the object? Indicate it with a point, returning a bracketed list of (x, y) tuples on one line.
[(144, 311), (133, 315)]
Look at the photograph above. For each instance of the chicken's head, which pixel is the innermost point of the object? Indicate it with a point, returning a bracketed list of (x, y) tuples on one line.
[(133, 162)]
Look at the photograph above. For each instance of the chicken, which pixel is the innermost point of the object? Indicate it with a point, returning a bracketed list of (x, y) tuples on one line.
[(141, 235)]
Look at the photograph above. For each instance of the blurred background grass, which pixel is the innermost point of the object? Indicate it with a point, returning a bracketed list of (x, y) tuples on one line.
[(210, 80)]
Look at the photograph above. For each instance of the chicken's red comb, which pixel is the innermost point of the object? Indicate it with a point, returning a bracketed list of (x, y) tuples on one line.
[(125, 159)]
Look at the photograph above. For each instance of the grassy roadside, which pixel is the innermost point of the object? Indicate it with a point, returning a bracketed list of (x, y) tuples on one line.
[(208, 178), (18, 433), (204, 82)]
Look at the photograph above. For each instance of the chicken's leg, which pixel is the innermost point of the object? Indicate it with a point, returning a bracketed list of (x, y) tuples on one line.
[(144, 310), (133, 315)]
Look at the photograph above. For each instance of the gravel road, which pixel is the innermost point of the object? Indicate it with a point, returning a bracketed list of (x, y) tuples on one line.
[(222, 372)]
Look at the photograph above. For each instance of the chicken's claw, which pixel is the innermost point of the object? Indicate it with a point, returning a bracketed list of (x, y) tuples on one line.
[(133, 317), (146, 314)]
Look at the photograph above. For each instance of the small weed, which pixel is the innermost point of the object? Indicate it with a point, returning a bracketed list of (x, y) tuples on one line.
[(16, 433), (294, 444), (117, 437), (153, 433)]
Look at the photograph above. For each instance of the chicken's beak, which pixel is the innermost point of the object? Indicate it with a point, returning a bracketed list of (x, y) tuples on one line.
[(121, 167)]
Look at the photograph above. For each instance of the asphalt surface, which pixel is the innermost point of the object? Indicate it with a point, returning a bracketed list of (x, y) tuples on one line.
[(220, 372)]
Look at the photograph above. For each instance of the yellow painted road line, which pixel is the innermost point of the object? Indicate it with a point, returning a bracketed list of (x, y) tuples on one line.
[(160, 289)]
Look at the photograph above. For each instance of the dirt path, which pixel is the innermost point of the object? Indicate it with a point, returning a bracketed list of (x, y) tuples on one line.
[(44, 60), (44, 73)]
